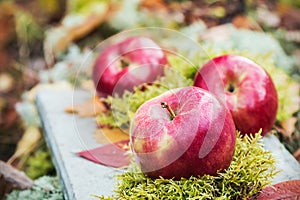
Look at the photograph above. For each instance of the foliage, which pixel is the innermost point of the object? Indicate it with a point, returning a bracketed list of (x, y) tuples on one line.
[(251, 170), (44, 188), (27, 30), (39, 164), (83, 7)]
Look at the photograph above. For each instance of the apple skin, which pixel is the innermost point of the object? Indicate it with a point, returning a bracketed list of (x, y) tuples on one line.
[(126, 64), (247, 89), (199, 140)]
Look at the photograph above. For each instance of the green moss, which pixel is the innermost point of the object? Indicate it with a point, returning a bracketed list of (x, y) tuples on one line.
[(123, 108), (28, 32), (252, 169), (40, 164)]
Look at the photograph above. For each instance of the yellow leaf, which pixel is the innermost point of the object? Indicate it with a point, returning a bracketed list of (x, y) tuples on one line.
[(61, 85), (73, 26), (289, 126), (90, 108), (107, 135), (27, 143)]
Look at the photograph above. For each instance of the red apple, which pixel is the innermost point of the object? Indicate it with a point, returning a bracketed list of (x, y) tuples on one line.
[(129, 63), (181, 133), (246, 87)]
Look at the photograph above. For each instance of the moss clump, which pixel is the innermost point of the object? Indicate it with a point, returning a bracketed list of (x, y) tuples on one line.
[(124, 107), (40, 164), (252, 169)]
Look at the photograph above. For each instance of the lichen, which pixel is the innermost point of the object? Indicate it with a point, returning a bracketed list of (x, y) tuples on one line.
[(44, 188), (251, 169)]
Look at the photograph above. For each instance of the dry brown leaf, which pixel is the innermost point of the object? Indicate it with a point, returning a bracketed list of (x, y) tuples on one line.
[(155, 5), (90, 108), (72, 28), (107, 135), (244, 22), (289, 126), (27, 143)]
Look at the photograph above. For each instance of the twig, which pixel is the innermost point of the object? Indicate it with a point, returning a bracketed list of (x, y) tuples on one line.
[(15, 177)]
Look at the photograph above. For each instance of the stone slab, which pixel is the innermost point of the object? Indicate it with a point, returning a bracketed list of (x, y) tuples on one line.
[(68, 133)]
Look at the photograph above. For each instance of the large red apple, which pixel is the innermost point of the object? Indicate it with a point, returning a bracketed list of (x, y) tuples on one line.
[(246, 87), (129, 63), (181, 133)]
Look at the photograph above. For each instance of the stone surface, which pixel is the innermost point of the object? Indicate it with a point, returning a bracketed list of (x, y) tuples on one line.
[(68, 133), (285, 161)]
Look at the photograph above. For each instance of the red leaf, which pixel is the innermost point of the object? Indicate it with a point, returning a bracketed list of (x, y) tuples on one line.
[(113, 155), (283, 190)]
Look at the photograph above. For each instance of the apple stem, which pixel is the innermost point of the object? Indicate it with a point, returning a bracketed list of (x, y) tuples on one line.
[(124, 62), (166, 105)]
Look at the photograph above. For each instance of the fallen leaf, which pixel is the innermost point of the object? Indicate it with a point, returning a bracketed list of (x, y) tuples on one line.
[(29, 140), (73, 26), (244, 22), (284, 190), (110, 135), (90, 108), (112, 155), (155, 5), (289, 126)]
